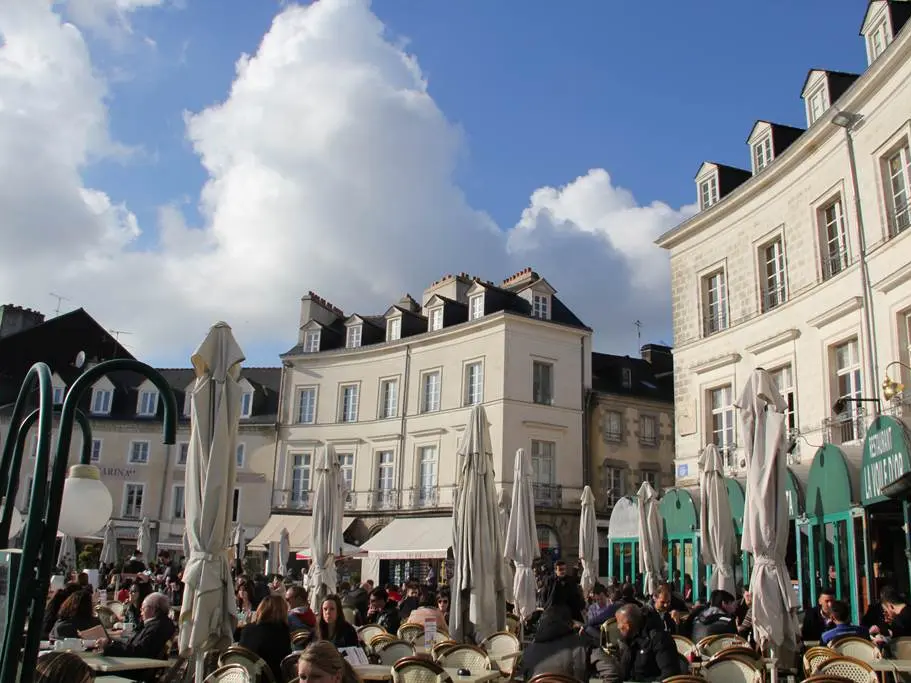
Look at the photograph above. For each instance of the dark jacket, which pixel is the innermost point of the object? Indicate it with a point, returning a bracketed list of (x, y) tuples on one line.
[(388, 618), (70, 628), (814, 625), (345, 634), (149, 641), (713, 621), (565, 591), (406, 607), (661, 621), (357, 598), (649, 656), (271, 641), (556, 649), (900, 626)]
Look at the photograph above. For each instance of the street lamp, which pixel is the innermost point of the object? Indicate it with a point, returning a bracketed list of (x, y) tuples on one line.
[(890, 386), (27, 589)]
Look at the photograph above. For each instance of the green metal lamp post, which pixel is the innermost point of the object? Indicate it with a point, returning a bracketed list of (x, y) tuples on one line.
[(28, 589)]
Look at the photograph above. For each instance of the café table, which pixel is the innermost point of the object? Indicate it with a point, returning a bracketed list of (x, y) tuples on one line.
[(105, 664), (900, 666)]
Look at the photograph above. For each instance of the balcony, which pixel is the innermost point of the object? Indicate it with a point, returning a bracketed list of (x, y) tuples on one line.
[(287, 499), (423, 497), (383, 500), (899, 406), (851, 425), (548, 495), (773, 298), (714, 323), (835, 262)]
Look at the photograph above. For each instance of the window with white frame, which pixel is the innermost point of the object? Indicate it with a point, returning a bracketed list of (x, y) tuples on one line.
[(430, 392), (542, 383), (96, 450), (389, 398), (240, 453), (614, 489), (436, 319), (648, 430), (235, 506), (774, 288), (762, 153), (708, 192), (848, 385), (348, 403), (311, 341), (541, 306), (476, 307), (178, 502), (101, 401), (246, 404), (715, 302), (306, 405), (393, 329), (428, 458), (613, 425), (139, 453), (148, 403), (474, 383), (817, 103), (543, 462), (721, 416), (784, 380), (833, 238), (300, 478), (346, 467), (183, 449), (898, 169), (878, 40), (132, 500), (385, 478), (353, 336), (59, 394)]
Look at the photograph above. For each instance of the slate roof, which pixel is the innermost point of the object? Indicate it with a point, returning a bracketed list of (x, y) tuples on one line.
[(649, 381)]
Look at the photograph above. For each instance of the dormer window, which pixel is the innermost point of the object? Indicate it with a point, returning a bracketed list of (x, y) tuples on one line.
[(148, 403), (394, 329), (627, 378), (311, 341), (246, 404), (708, 192), (762, 153), (101, 401), (878, 40), (817, 103), (541, 306), (435, 321), (353, 336), (476, 307)]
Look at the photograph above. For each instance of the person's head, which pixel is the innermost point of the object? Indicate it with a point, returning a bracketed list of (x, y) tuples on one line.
[(82, 579), (892, 601), (155, 606), (412, 590), (614, 594), (344, 587), (723, 601), (426, 598), (629, 621), (139, 591), (841, 613), (296, 596), (330, 611), (62, 667), (272, 610), (378, 598), (443, 601), (321, 662), (826, 598), (599, 594), (276, 581), (76, 606), (627, 592), (747, 598), (246, 591), (559, 568), (662, 597)]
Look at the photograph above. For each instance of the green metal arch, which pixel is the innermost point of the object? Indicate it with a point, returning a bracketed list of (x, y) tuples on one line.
[(829, 483), (679, 513), (737, 500)]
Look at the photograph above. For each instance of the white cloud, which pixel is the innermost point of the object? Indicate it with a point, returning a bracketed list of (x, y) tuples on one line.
[(330, 168), (109, 18)]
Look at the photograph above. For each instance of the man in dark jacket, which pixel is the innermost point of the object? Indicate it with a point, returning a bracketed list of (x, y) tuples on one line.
[(716, 619), (152, 638), (819, 619), (896, 611), (562, 589), (644, 655), (557, 648), (383, 611)]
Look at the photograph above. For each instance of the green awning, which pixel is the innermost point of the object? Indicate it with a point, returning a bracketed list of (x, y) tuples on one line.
[(737, 501), (829, 483), (792, 491), (679, 513), (885, 458)]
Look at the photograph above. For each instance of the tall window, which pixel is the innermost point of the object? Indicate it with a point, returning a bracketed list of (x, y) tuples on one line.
[(762, 153), (708, 192), (648, 430), (235, 506), (436, 319), (614, 484), (148, 403), (346, 466), (132, 500), (178, 502), (774, 291), (543, 465), (428, 470), (722, 418), (306, 405), (389, 398), (833, 238), (879, 40), (183, 448), (101, 401), (430, 392), (817, 104), (349, 400), (474, 383), (300, 479), (476, 307), (394, 329), (139, 452), (246, 404), (848, 386), (613, 425), (240, 453), (540, 306), (385, 478), (311, 341), (899, 168), (543, 383), (96, 450), (715, 302), (784, 380), (353, 337)]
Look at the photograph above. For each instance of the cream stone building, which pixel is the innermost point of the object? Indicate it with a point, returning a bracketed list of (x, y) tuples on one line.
[(392, 393)]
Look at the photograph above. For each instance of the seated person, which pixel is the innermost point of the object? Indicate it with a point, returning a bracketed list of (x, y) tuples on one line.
[(268, 634), (644, 654), (557, 648), (716, 619), (153, 636), (841, 615), (299, 613), (76, 614), (427, 611), (665, 611)]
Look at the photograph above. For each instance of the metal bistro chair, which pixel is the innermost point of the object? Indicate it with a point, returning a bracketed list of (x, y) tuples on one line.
[(257, 668), (848, 667), (369, 632), (684, 645), (466, 656), (392, 651), (504, 649), (732, 670), (289, 666), (418, 670), (230, 673), (610, 634), (712, 645), (410, 632), (859, 648), (301, 638), (814, 657)]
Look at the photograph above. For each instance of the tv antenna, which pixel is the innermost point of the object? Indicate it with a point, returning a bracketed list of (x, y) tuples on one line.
[(638, 325), (60, 300), (116, 333)]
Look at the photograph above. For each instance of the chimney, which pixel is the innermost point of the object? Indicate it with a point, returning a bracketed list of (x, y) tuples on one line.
[(15, 319), (660, 357), (409, 304), (315, 307)]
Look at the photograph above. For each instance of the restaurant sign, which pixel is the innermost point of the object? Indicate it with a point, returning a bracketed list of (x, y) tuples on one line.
[(885, 458)]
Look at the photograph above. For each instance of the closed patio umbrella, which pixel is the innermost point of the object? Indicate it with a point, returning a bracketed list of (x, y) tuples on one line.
[(509, 575), (478, 603), (521, 544), (66, 557), (588, 541), (716, 521), (284, 548), (209, 608), (109, 546), (272, 557), (328, 506), (144, 540), (651, 538), (239, 541), (765, 516)]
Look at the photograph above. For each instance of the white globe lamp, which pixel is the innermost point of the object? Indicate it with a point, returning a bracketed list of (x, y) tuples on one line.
[(87, 504), (15, 524)]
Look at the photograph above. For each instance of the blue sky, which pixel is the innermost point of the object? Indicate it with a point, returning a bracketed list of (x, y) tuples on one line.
[(564, 136)]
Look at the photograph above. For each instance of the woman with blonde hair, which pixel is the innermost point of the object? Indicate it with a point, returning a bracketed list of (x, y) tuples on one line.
[(268, 634), (62, 667), (322, 663)]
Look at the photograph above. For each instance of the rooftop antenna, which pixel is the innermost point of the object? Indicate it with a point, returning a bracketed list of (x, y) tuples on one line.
[(638, 325), (60, 299), (116, 333)]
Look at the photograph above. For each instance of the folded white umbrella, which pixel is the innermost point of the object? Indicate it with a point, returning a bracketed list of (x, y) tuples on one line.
[(478, 602), (588, 541), (272, 558), (716, 522), (109, 545), (284, 547), (651, 538), (765, 516), (239, 541), (67, 555), (209, 607), (144, 540), (328, 507), (509, 574), (521, 544)]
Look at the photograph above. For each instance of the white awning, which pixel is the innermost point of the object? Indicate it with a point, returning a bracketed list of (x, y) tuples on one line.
[(298, 526), (412, 538)]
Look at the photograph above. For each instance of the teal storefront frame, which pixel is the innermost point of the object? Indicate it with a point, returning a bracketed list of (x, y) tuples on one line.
[(737, 501), (681, 534), (623, 541)]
